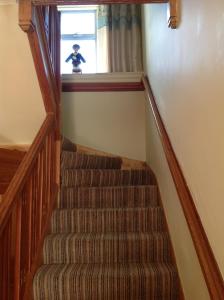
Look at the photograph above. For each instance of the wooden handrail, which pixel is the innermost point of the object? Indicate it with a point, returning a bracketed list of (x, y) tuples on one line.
[(32, 22), (206, 257)]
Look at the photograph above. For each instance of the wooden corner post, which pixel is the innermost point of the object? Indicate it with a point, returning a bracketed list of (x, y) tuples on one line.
[(173, 13), (26, 15)]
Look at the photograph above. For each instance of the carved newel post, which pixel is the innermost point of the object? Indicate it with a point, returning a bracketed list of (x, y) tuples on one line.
[(173, 17)]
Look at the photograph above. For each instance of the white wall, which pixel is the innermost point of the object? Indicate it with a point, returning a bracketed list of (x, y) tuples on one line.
[(21, 105), (113, 122), (186, 71), (187, 261)]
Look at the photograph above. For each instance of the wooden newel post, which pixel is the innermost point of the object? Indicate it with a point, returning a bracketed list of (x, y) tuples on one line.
[(173, 16), (26, 15)]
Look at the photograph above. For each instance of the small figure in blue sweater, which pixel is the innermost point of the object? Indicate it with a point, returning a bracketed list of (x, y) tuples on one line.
[(76, 59)]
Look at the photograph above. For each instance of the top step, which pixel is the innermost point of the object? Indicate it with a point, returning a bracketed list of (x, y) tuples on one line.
[(76, 160), (67, 145)]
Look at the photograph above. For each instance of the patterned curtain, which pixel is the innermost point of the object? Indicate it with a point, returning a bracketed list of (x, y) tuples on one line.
[(103, 62), (119, 31)]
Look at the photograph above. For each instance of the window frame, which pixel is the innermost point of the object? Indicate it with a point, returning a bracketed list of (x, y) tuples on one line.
[(85, 36)]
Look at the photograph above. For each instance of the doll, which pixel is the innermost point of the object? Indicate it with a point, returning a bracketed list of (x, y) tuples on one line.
[(76, 59)]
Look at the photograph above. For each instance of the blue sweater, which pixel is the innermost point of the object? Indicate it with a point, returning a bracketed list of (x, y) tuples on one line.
[(76, 59)]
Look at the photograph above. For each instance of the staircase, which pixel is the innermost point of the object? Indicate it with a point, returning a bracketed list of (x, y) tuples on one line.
[(108, 237)]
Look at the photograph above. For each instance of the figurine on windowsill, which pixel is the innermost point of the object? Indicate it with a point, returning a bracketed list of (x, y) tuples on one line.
[(76, 59)]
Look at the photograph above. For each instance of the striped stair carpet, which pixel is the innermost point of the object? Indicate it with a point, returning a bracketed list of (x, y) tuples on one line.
[(108, 238)]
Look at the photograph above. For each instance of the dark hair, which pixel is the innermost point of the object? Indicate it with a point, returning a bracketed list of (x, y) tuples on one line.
[(76, 46)]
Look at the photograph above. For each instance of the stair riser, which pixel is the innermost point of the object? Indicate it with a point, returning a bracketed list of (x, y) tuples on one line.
[(106, 250), (147, 220), (108, 286), (82, 161), (92, 178), (113, 197)]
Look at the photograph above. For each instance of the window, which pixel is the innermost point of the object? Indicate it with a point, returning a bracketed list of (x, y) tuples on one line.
[(78, 26)]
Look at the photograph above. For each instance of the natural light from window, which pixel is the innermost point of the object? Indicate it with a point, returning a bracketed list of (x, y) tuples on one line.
[(78, 26)]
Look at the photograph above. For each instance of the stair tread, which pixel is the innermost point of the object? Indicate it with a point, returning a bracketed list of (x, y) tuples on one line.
[(106, 235), (102, 209), (106, 177), (108, 220), (133, 281), (112, 196), (77, 160), (143, 186), (107, 247), (124, 268)]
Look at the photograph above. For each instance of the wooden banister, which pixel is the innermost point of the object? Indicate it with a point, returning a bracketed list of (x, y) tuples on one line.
[(25, 206), (24, 169), (206, 257), (31, 20)]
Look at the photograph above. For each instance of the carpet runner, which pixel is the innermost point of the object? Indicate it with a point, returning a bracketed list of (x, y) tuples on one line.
[(108, 238)]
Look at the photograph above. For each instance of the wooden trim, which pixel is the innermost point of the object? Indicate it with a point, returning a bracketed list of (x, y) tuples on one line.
[(102, 87), (89, 2), (206, 257), (18, 147)]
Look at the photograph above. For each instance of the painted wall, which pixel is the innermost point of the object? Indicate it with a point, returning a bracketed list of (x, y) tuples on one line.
[(113, 122), (22, 110), (186, 71)]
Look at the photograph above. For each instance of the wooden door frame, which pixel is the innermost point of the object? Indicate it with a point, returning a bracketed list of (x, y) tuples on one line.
[(173, 6)]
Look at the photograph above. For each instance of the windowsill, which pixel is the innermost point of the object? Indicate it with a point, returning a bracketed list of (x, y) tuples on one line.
[(103, 77), (115, 82)]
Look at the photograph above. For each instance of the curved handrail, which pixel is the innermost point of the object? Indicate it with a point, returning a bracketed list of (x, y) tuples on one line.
[(206, 257)]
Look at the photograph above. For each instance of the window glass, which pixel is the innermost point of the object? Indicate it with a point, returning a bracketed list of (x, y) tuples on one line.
[(78, 27), (88, 51), (80, 22)]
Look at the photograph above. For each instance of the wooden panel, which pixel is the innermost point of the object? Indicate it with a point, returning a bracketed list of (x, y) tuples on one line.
[(102, 87), (9, 162), (206, 257)]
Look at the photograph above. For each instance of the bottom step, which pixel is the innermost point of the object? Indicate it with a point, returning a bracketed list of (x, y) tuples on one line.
[(131, 281)]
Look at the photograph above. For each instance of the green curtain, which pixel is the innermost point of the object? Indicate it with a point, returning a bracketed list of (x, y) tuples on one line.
[(121, 23)]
